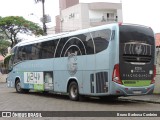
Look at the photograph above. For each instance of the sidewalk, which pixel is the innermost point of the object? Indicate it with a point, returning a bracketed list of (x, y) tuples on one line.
[(155, 98), (3, 78)]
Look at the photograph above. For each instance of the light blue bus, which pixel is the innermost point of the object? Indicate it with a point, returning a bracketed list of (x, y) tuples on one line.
[(110, 60)]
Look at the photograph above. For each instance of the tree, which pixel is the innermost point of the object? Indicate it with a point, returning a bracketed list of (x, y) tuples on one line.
[(14, 25), (44, 17), (4, 44), (4, 47)]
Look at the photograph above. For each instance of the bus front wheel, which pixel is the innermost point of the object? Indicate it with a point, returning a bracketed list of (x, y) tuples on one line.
[(73, 91), (19, 89)]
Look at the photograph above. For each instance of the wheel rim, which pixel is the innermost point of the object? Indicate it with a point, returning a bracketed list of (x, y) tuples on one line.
[(74, 91), (18, 87)]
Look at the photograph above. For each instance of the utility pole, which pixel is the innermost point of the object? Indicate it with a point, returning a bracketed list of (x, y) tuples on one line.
[(44, 18)]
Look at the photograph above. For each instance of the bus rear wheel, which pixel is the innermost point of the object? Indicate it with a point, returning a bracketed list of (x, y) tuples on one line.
[(73, 91), (19, 89)]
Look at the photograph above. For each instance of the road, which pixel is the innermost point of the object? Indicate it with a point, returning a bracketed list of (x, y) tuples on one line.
[(12, 101)]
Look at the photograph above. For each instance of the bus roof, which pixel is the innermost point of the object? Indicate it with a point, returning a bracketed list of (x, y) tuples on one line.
[(67, 34)]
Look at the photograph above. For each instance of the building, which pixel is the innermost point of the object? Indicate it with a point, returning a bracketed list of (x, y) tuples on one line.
[(63, 4), (77, 15), (157, 37)]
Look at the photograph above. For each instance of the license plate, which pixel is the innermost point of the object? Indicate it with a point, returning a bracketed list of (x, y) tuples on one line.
[(137, 92)]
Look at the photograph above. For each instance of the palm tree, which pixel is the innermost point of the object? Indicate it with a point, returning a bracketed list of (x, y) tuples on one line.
[(44, 17)]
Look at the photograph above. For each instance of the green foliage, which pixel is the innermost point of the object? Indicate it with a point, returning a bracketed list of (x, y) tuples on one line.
[(6, 59), (4, 43), (13, 25), (4, 47)]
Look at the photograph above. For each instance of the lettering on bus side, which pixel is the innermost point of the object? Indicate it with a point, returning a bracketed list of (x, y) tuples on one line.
[(33, 77), (39, 80)]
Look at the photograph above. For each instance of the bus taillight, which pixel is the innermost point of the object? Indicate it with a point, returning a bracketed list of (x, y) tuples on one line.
[(154, 75), (116, 74)]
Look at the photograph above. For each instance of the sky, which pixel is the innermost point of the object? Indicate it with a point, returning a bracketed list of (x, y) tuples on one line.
[(145, 12)]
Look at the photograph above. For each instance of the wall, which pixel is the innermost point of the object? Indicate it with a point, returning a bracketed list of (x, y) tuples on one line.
[(58, 25), (63, 4), (120, 15), (84, 16), (78, 16), (157, 36), (71, 18)]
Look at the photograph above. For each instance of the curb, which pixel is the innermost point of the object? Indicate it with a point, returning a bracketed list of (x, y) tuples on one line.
[(138, 100)]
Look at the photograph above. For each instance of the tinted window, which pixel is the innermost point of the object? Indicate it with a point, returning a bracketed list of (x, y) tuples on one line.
[(47, 49), (87, 47), (136, 44), (136, 33), (59, 46), (20, 54), (13, 57), (36, 51), (81, 44), (101, 39), (72, 45)]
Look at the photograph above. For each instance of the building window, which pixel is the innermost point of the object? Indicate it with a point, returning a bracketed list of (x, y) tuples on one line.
[(109, 16)]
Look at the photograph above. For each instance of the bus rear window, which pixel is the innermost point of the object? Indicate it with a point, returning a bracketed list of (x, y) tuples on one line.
[(129, 33), (136, 44)]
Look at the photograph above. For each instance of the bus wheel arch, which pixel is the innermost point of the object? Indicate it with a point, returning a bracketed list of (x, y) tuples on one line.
[(73, 89), (18, 86)]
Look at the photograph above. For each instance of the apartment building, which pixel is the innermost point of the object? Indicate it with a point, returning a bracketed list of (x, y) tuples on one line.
[(84, 15)]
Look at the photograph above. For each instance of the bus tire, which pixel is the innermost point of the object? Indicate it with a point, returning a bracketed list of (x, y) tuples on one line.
[(19, 89), (73, 91)]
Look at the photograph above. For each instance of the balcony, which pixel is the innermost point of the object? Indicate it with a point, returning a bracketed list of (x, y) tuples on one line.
[(100, 21)]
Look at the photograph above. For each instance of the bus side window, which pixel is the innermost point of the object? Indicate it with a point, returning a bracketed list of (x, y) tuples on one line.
[(19, 54), (101, 39), (59, 44), (47, 49), (12, 59)]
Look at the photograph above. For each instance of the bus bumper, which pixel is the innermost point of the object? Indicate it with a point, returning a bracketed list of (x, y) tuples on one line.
[(122, 90)]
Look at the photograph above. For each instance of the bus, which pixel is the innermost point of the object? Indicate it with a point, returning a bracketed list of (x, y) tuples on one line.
[(110, 60)]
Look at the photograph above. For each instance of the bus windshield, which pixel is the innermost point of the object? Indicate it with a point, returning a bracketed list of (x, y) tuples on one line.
[(11, 61)]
